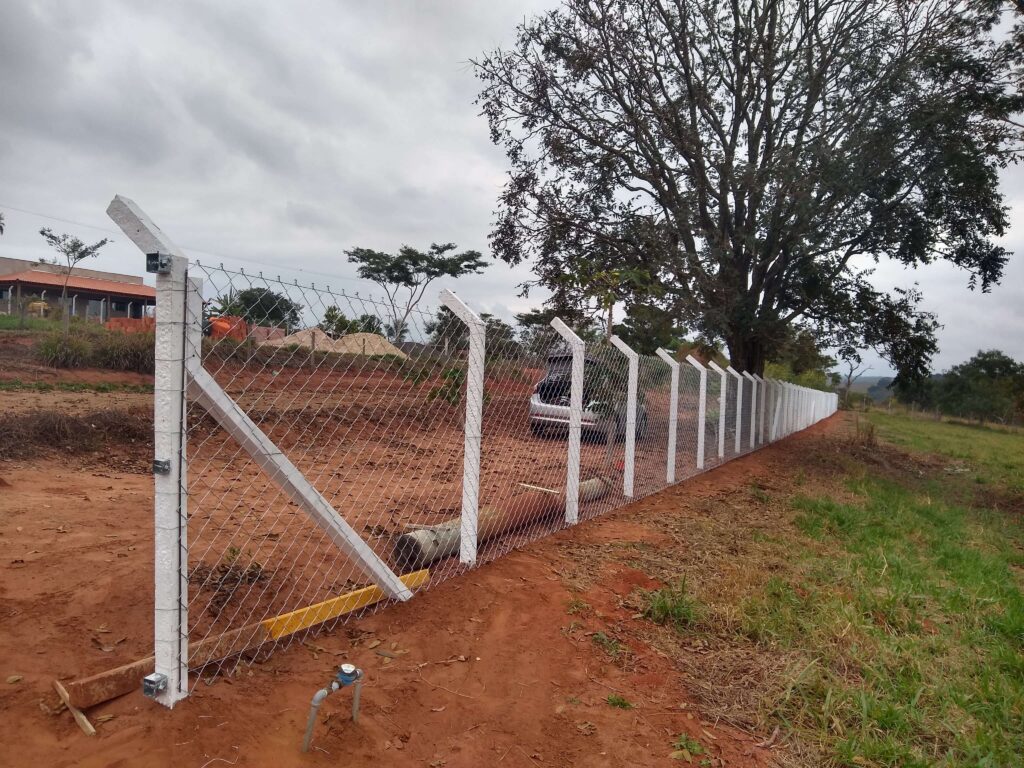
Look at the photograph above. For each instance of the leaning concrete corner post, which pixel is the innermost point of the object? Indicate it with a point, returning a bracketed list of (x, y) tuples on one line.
[(702, 407), (629, 461), (673, 415), (572, 471), (473, 428), (170, 473)]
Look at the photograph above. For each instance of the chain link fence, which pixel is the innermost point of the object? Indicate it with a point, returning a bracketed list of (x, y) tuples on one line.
[(319, 452)]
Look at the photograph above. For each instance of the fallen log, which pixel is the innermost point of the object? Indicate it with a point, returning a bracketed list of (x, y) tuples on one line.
[(424, 544), (96, 689)]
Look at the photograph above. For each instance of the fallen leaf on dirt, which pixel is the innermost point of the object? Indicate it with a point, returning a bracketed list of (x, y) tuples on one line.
[(586, 728), (99, 644), (681, 754), (438, 709), (387, 654), (103, 718), (14, 679), (373, 644), (102, 629)]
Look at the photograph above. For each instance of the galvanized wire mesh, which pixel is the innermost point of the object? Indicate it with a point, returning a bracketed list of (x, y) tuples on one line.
[(369, 405)]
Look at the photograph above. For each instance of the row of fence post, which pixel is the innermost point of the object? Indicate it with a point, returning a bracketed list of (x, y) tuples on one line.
[(796, 408), (776, 409)]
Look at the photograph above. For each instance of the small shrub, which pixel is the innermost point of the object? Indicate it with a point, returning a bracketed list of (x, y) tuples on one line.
[(686, 748), (671, 605), (609, 644), (60, 351), (124, 352), (619, 702)]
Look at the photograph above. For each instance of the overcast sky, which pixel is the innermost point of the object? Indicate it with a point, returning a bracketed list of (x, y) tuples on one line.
[(277, 135)]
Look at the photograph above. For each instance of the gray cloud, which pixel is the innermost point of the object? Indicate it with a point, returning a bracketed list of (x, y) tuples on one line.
[(284, 133)]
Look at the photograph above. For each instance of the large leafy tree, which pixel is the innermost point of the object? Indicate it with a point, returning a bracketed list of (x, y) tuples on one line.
[(988, 386), (260, 306), (405, 276), (746, 163)]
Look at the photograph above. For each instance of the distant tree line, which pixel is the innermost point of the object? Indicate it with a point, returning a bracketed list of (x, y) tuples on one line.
[(988, 387)]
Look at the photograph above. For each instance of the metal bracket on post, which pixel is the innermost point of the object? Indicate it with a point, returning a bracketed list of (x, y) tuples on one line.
[(673, 416), (739, 409), (473, 429), (753, 409), (572, 470), (702, 407), (629, 459), (169, 510), (721, 405)]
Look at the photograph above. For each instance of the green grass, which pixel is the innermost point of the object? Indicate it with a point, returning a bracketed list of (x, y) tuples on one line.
[(608, 644), (15, 323), (619, 702), (672, 606), (992, 454), (903, 611)]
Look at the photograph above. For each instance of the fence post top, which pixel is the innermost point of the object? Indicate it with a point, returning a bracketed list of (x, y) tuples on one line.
[(140, 229), (623, 347), (746, 375), (459, 308), (733, 371), (665, 356), (566, 333), (716, 367), (695, 363), (760, 378)]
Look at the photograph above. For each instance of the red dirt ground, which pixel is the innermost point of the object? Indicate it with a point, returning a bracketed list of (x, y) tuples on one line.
[(489, 668)]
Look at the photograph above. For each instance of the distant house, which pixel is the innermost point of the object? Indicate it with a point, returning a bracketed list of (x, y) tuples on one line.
[(93, 295)]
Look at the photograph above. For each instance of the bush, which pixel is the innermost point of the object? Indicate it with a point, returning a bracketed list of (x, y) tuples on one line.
[(124, 352), (62, 351), (672, 606)]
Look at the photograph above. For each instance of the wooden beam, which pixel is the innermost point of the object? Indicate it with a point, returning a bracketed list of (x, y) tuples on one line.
[(79, 715), (96, 689)]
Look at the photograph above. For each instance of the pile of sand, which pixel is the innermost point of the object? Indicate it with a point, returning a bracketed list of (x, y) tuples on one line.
[(351, 344)]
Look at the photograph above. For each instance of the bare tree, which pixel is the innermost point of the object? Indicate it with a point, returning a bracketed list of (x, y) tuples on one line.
[(71, 251)]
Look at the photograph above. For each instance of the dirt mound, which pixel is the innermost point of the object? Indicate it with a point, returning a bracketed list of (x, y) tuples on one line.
[(352, 344)]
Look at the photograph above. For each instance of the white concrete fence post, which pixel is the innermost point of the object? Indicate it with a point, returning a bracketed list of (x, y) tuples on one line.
[(473, 427), (572, 470), (762, 406), (723, 388), (629, 461), (753, 409), (673, 416), (702, 407), (170, 474), (739, 409)]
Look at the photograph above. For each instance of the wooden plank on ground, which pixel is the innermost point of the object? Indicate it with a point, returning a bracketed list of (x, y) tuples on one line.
[(79, 715), (93, 690)]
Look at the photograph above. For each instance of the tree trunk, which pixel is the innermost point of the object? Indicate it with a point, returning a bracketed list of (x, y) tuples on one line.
[(746, 354)]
